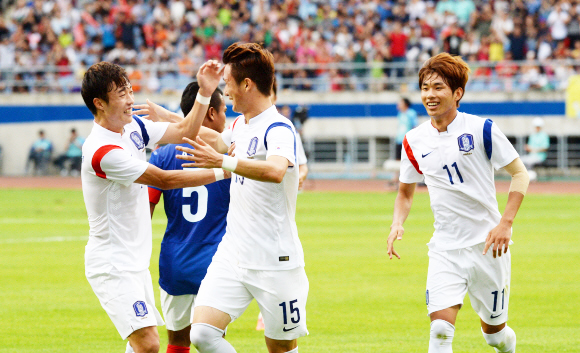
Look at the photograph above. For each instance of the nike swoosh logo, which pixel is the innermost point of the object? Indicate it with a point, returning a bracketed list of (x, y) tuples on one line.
[(493, 317), (425, 155), (290, 329)]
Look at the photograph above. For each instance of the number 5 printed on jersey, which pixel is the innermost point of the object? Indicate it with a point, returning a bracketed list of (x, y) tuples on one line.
[(201, 204)]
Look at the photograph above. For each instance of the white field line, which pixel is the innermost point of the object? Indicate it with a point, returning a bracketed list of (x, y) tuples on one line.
[(83, 238)]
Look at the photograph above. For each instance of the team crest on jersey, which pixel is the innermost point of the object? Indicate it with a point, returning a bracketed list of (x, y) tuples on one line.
[(137, 140), (140, 308), (465, 142), (253, 147)]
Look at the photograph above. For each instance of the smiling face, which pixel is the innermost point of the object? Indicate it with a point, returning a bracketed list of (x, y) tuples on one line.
[(119, 108), (438, 99), (234, 91)]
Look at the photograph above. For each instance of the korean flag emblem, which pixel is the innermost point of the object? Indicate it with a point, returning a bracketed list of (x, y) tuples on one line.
[(252, 147), (137, 140), (140, 308), (465, 142)]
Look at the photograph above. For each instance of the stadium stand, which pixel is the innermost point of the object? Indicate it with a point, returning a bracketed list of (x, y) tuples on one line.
[(318, 45)]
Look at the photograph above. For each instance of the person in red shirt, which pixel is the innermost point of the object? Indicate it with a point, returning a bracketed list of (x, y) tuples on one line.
[(398, 41)]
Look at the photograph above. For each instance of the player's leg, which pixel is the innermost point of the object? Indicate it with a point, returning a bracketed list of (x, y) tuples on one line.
[(281, 346), (145, 340), (221, 299), (446, 288), (489, 296), (177, 311), (281, 296)]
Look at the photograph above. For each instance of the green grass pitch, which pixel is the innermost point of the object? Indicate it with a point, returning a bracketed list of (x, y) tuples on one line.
[(359, 301)]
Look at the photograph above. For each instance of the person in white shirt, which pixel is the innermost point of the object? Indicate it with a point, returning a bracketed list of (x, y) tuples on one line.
[(114, 173), (260, 255), (454, 154)]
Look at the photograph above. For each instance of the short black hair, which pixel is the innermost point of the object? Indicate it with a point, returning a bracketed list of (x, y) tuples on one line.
[(407, 102), (99, 80), (189, 94)]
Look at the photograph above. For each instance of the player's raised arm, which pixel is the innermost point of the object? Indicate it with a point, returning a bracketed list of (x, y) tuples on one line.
[(501, 235), (403, 204), (208, 77)]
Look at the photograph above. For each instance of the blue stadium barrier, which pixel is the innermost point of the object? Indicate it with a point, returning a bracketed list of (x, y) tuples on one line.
[(38, 113)]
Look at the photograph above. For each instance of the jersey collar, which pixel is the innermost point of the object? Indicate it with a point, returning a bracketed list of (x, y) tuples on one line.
[(451, 128), (263, 116), (105, 132)]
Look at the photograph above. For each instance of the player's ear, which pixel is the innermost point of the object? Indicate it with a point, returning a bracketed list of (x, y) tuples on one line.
[(458, 94), (210, 114), (247, 84), (98, 103)]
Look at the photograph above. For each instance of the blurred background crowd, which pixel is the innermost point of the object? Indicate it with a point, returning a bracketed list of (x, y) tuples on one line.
[(330, 45)]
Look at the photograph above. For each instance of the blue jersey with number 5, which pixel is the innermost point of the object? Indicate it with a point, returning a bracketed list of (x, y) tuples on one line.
[(196, 223)]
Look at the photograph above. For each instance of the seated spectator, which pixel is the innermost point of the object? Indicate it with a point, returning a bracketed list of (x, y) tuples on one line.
[(40, 154), (537, 147), (69, 163)]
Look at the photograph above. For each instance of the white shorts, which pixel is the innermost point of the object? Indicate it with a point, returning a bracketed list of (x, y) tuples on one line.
[(177, 310), (454, 273), (281, 296), (128, 299)]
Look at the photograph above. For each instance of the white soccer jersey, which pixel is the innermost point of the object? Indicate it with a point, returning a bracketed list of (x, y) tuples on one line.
[(261, 233), (457, 166), (118, 209)]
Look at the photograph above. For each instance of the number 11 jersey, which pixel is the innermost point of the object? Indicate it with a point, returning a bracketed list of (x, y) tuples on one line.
[(457, 166)]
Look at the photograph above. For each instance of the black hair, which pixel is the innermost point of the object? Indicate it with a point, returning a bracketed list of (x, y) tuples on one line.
[(99, 80), (189, 94)]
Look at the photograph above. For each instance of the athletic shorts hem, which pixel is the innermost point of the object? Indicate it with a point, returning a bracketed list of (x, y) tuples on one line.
[(135, 328), (289, 337), (495, 322), (217, 307), (431, 310)]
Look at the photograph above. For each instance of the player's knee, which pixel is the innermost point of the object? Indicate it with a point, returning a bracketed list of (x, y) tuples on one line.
[(502, 341), (442, 331), (204, 337)]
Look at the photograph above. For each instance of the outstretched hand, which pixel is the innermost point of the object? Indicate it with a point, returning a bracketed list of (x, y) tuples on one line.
[(154, 112), (209, 76), (202, 155), (395, 234), (500, 237)]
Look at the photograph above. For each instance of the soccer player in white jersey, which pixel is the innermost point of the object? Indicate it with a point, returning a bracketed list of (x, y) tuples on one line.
[(114, 174), (455, 154), (260, 255)]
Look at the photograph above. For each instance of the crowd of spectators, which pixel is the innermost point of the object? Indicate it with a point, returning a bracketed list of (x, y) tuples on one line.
[(163, 42)]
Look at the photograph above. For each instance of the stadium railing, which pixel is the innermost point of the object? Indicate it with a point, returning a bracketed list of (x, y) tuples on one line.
[(508, 76)]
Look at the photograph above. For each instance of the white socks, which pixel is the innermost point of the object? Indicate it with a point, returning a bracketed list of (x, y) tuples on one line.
[(209, 339), (295, 350), (441, 337), (503, 341)]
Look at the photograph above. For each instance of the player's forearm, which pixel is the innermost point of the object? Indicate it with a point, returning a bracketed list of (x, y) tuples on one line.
[(303, 171), (511, 209), (267, 171), (192, 123), (213, 138), (176, 179), (403, 203)]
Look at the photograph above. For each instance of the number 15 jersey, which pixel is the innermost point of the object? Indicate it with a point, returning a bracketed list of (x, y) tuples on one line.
[(457, 166)]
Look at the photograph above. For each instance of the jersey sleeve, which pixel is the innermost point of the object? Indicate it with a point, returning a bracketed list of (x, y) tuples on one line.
[(281, 141), (300, 154), (410, 172), (151, 131), (117, 165), (498, 148)]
